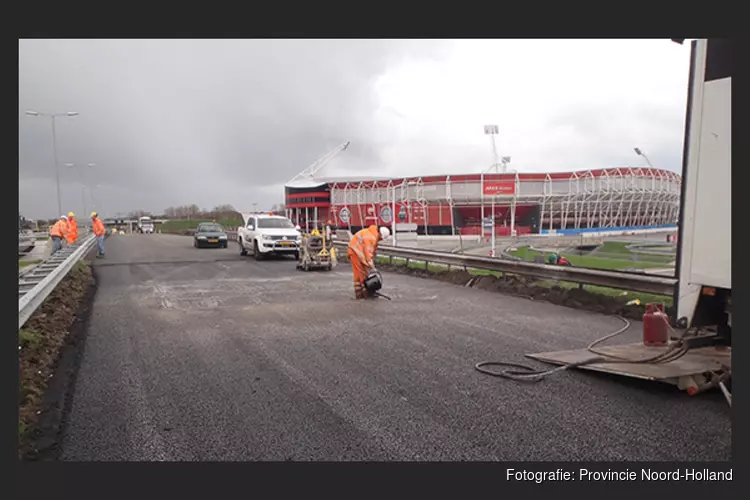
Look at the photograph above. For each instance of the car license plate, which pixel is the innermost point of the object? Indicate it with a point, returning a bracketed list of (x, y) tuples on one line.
[(285, 243), (213, 240)]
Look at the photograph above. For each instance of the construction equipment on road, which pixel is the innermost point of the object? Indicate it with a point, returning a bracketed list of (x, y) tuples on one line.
[(373, 283), (700, 357), (315, 252)]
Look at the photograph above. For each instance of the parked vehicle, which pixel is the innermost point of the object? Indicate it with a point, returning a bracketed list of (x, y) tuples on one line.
[(209, 234), (265, 234)]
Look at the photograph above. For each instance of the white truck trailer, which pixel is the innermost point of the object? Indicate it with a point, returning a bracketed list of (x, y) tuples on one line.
[(700, 358), (704, 256)]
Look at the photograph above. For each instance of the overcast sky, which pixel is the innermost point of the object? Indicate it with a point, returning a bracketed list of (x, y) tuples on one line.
[(170, 122)]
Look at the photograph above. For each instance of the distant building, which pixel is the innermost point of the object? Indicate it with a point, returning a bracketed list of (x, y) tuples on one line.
[(528, 203)]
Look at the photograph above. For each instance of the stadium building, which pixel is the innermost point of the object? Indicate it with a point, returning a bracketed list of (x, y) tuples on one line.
[(522, 203)]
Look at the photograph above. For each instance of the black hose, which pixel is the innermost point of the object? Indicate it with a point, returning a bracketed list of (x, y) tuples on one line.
[(530, 374)]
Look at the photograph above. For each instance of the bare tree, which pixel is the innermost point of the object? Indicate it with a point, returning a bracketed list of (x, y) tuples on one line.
[(139, 213), (192, 211)]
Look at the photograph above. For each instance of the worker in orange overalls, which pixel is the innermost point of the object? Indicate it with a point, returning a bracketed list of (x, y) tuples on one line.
[(361, 251), (98, 227), (58, 233), (72, 235)]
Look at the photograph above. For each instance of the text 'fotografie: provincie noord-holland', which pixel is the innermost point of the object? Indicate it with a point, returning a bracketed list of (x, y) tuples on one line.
[(686, 474)]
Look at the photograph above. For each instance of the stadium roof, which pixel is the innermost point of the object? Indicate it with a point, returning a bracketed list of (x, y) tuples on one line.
[(307, 183), (310, 183)]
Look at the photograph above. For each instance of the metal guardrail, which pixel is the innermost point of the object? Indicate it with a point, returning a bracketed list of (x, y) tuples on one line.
[(36, 285), (612, 279), (636, 282)]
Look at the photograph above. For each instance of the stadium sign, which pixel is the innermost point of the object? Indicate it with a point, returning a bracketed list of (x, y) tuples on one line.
[(344, 215)]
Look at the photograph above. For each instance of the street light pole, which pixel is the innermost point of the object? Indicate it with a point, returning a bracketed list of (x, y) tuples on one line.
[(52, 117), (639, 152), (491, 130), (96, 207), (393, 216), (83, 183), (57, 169)]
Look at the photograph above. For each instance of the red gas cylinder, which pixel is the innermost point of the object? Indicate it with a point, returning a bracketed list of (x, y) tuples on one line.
[(655, 332)]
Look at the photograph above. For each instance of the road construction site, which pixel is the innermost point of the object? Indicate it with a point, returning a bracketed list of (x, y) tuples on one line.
[(197, 354)]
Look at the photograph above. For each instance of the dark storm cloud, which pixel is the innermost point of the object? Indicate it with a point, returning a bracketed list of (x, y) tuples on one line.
[(195, 121)]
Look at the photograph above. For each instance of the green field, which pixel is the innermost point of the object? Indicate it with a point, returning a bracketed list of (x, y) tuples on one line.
[(176, 226), (26, 263), (611, 255), (611, 292)]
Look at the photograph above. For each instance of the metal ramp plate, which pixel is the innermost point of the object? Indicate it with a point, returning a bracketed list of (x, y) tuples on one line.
[(695, 362)]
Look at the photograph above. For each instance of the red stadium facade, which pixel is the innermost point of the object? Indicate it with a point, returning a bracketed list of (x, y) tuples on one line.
[(522, 203)]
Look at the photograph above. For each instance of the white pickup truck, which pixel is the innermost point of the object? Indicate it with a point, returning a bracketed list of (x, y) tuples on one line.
[(145, 225), (264, 235)]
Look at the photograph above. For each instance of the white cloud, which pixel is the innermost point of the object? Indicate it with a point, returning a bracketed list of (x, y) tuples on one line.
[(199, 121), (560, 105)]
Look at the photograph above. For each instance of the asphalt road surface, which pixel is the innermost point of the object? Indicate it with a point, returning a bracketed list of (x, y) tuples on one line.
[(205, 355)]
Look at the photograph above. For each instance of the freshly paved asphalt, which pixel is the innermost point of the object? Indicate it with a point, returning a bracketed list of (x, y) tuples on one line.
[(205, 355)]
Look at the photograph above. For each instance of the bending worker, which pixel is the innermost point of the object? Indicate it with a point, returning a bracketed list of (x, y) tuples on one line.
[(58, 232), (72, 235), (362, 248), (98, 227)]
